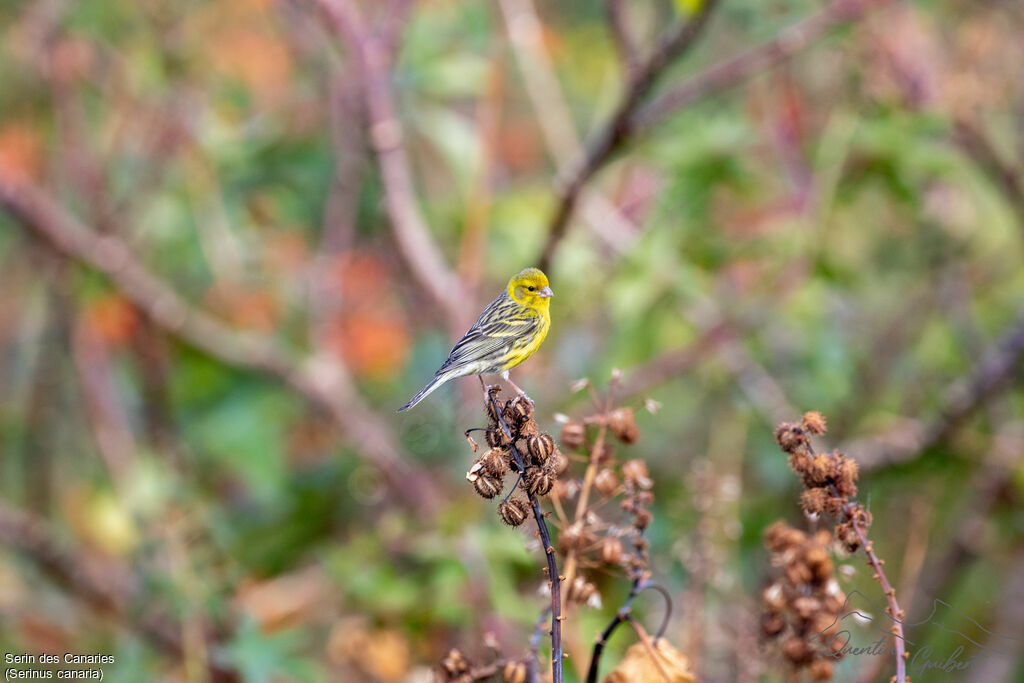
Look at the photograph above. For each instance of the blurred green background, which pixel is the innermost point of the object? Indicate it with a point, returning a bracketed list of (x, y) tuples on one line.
[(840, 233)]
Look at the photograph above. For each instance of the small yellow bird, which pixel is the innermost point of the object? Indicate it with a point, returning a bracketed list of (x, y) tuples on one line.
[(509, 330)]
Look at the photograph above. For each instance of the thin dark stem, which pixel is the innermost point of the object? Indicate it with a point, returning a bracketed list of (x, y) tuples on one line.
[(621, 615), (876, 564), (549, 551), (668, 608), (531, 666)]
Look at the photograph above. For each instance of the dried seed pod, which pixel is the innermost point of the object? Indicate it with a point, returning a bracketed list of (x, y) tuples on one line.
[(623, 425), (495, 437), (605, 454), (814, 422), (495, 462), (575, 537), (488, 486), (797, 650), (821, 670), (820, 564), (611, 550), (790, 437), (572, 435), (634, 472), (606, 482), (517, 411), (581, 591), (774, 597), (455, 663), (772, 624), (805, 607), (513, 511), (538, 481), (540, 447), (490, 405), (642, 518), (514, 672), (558, 463), (813, 500)]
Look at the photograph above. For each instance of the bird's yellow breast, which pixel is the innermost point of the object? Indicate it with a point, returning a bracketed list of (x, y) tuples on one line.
[(525, 346)]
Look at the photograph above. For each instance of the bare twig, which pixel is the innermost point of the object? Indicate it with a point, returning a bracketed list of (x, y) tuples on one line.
[(412, 234), (618, 129), (615, 11), (735, 70), (554, 579), (851, 512), (1007, 178), (960, 400), (322, 381)]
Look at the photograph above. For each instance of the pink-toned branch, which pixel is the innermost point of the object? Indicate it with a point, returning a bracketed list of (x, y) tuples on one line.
[(412, 234), (636, 115), (323, 381), (733, 71)]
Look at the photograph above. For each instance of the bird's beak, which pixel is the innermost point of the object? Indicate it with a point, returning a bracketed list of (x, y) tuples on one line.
[(545, 293)]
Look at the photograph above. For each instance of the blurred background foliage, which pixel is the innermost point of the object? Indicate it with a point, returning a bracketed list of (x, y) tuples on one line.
[(831, 215)]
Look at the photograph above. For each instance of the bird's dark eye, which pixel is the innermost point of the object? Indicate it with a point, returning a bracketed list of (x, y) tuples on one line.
[(531, 288)]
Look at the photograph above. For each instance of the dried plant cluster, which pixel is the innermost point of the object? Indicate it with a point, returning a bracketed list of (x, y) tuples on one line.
[(601, 516), (830, 479), (542, 461), (801, 604), (590, 539)]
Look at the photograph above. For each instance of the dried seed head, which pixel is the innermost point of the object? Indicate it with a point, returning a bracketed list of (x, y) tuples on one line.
[(611, 550), (634, 473), (495, 462), (490, 404), (821, 670), (790, 437), (517, 411), (813, 500), (798, 574), (574, 537), (780, 537), (623, 425), (774, 597), (513, 511), (540, 447), (846, 477), (558, 462), (814, 422), (606, 482), (797, 650), (818, 471), (572, 435), (820, 564), (495, 437), (488, 486), (582, 592), (514, 672), (642, 518), (847, 536), (605, 454), (806, 606), (455, 663), (538, 481), (772, 624)]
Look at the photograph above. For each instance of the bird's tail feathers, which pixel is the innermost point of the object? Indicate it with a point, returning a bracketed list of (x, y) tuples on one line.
[(427, 390)]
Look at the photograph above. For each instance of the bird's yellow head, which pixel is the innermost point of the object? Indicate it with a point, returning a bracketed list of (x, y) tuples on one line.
[(530, 288)]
